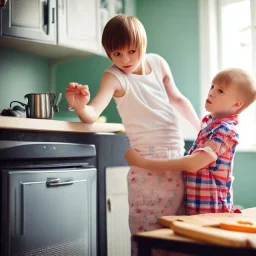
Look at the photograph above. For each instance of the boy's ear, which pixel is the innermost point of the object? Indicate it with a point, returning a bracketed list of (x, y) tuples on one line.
[(239, 104)]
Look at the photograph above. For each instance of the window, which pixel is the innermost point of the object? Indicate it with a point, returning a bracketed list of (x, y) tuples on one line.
[(229, 36)]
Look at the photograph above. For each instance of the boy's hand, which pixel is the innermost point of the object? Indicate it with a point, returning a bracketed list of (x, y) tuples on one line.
[(133, 158), (77, 95)]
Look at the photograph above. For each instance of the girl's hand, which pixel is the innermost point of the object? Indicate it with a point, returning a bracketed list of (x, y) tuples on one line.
[(77, 95), (133, 158)]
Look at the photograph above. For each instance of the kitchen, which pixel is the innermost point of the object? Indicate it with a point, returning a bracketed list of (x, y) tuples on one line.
[(175, 36)]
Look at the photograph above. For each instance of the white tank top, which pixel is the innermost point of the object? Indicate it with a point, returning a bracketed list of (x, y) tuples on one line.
[(145, 109)]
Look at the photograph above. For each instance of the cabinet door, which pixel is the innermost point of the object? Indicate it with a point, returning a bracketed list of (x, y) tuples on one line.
[(30, 19), (118, 232), (110, 8), (78, 24), (52, 212)]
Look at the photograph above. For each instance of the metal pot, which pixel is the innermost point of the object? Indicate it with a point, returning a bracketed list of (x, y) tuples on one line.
[(41, 105)]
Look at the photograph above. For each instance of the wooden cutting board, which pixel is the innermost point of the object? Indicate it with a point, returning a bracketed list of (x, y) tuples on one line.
[(210, 219), (205, 228), (214, 235)]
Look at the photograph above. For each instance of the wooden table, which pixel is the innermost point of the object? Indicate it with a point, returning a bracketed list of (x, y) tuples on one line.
[(166, 239)]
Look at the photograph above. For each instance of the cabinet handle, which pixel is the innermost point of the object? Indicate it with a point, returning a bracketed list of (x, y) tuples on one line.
[(46, 15), (109, 205), (23, 212), (53, 15), (54, 182)]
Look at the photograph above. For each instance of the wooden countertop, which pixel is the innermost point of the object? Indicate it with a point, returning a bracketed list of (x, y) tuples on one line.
[(58, 126)]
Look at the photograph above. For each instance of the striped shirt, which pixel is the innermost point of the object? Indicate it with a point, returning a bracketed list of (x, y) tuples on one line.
[(209, 190)]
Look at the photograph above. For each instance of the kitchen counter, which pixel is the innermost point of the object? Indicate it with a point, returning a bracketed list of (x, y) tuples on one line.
[(110, 150), (58, 126)]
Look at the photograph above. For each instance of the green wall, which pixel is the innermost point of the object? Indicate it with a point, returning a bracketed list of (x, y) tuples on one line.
[(173, 32), (21, 73), (245, 176), (84, 71)]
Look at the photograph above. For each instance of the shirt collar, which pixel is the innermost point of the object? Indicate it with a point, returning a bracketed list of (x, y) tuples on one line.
[(232, 118)]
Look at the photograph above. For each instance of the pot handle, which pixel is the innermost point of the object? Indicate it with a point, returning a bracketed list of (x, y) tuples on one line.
[(56, 106), (21, 103)]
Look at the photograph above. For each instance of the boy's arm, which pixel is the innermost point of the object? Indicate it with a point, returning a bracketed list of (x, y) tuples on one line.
[(178, 100), (109, 86), (190, 163)]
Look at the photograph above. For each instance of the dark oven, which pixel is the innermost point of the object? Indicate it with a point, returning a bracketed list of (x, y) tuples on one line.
[(48, 199)]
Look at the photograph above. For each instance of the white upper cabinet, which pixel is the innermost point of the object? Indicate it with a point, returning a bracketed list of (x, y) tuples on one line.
[(30, 19), (58, 28), (78, 24), (108, 9)]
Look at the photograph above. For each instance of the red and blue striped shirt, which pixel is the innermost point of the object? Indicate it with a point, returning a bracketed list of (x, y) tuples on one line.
[(209, 190)]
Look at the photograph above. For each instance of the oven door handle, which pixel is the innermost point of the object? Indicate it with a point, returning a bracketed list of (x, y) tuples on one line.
[(54, 182)]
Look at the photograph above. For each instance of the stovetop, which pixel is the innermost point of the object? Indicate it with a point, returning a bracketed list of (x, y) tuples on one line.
[(25, 154)]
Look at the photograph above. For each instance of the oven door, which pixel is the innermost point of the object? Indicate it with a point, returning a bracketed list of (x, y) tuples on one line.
[(50, 212)]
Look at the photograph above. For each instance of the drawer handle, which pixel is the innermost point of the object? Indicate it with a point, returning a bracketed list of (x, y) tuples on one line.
[(54, 182)]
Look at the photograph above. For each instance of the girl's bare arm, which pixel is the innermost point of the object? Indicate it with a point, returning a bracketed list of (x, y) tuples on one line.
[(109, 87), (177, 99), (190, 163)]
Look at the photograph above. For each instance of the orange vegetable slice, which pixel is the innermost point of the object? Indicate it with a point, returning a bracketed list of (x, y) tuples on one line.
[(247, 226)]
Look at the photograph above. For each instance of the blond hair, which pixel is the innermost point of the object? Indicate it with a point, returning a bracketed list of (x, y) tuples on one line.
[(124, 31), (245, 85)]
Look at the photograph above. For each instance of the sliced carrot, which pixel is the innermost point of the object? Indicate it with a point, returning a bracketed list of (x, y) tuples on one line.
[(239, 225)]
